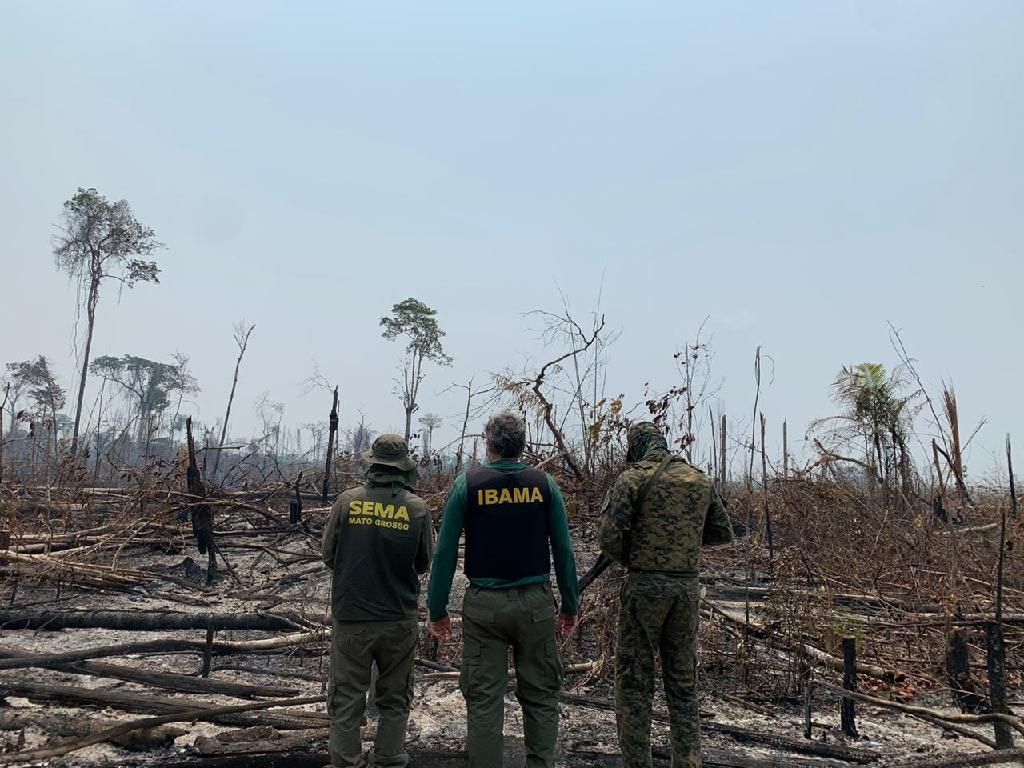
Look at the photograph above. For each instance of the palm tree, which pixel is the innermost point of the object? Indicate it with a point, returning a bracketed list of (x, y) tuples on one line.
[(430, 422), (876, 419)]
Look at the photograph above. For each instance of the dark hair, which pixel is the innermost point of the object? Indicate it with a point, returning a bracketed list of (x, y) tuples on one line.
[(506, 435)]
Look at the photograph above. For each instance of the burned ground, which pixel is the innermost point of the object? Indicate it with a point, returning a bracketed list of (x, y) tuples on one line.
[(116, 571)]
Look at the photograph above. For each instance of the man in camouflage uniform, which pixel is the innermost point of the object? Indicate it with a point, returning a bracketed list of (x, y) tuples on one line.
[(378, 540), (658, 540)]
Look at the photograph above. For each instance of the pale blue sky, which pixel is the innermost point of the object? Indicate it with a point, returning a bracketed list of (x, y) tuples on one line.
[(802, 172)]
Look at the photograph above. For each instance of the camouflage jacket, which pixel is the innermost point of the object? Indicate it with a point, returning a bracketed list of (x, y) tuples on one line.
[(681, 512)]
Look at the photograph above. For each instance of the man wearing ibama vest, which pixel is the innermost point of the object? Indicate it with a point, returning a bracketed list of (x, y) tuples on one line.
[(514, 520)]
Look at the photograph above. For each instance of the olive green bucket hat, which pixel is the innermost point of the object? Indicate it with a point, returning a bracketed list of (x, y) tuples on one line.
[(391, 451)]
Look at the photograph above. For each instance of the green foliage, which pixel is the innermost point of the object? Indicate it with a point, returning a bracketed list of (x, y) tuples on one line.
[(876, 422), (417, 322), (101, 239), (150, 383), (36, 378), (874, 400)]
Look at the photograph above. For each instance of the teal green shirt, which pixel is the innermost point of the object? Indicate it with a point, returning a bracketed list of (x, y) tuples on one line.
[(446, 553)]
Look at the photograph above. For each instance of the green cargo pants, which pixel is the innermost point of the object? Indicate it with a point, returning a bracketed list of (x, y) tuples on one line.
[(493, 620), (658, 614), (355, 647)]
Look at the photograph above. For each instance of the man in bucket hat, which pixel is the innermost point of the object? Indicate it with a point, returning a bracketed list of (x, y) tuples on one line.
[(378, 540)]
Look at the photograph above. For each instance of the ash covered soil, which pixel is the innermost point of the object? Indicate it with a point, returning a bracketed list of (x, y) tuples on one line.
[(281, 573)]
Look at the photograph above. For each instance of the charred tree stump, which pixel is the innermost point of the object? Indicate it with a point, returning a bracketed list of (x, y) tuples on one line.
[(208, 652), (848, 715), (958, 671), (325, 494), (997, 681), (805, 677), (202, 514), (295, 507)]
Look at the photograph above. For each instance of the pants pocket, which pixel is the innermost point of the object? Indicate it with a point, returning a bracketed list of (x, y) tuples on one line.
[(470, 666), (554, 663)]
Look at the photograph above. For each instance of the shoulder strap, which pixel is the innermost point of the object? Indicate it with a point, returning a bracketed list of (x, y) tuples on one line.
[(642, 496), (639, 502)]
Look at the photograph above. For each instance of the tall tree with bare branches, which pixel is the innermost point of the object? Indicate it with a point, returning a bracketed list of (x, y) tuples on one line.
[(242, 342), (98, 241)]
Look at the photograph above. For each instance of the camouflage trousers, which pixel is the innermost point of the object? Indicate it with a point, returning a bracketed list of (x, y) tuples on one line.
[(493, 620), (658, 615), (355, 647)]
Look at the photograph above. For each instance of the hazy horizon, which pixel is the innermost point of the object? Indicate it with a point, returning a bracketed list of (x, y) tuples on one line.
[(802, 174)]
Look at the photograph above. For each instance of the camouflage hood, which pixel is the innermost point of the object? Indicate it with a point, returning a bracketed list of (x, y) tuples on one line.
[(379, 474), (645, 438)]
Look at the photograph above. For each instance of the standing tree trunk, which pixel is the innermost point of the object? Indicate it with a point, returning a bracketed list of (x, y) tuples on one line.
[(994, 629), (413, 377), (764, 492), (242, 339), (3, 437), (325, 492), (202, 514), (785, 452), (723, 463), (90, 311), (465, 424)]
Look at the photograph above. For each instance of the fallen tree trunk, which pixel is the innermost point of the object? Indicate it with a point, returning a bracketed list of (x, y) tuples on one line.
[(799, 746), (95, 576), (163, 646), (188, 715), (818, 655), (966, 761), (713, 758), (77, 725), (910, 709), (166, 680), (161, 705), (957, 729), (430, 758), (141, 621)]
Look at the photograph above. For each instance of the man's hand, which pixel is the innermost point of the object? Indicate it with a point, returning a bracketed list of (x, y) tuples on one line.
[(441, 629), (566, 624)]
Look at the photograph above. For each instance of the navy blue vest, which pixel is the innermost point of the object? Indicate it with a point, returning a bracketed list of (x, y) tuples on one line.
[(507, 524)]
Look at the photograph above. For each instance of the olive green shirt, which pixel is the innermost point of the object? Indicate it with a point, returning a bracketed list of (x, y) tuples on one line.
[(378, 541)]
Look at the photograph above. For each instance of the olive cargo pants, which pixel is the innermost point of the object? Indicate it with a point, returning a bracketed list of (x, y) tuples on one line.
[(355, 647), (658, 614), (492, 621)]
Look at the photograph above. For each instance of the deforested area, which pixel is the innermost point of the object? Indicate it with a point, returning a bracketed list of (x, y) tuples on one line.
[(511, 385), (165, 602)]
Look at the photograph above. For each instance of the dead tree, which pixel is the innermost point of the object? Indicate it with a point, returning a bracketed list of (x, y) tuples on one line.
[(331, 438), (470, 412), (994, 629), (242, 340), (202, 514), (529, 392), (764, 492), (7, 394)]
